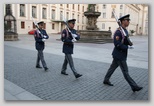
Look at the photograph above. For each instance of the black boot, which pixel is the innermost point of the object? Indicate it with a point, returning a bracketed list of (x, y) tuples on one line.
[(46, 69), (107, 83), (64, 73), (38, 66), (78, 75), (137, 89)]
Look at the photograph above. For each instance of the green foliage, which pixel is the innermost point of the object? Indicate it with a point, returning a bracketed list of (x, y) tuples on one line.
[(89, 5), (132, 31)]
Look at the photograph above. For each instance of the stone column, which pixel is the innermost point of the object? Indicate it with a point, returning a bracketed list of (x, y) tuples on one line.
[(59, 29)]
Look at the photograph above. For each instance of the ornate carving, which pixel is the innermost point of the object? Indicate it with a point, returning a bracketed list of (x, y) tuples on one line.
[(92, 7)]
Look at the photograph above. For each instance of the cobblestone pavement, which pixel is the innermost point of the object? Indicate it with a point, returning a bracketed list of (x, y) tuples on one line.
[(19, 68)]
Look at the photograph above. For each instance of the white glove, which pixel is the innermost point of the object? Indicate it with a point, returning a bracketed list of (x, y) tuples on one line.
[(43, 40), (73, 40), (74, 35), (44, 36), (130, 47)]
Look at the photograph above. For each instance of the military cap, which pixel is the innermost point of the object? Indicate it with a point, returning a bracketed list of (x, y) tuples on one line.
[(125, 17), (41, 22), (71, 20)]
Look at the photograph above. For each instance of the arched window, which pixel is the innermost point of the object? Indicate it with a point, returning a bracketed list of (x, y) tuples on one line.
[(22, 10), (121, 6), (103, 26), (104, 6), (34, 11)]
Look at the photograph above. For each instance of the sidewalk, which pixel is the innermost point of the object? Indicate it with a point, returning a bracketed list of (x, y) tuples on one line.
[(24, 82), (14, 92)]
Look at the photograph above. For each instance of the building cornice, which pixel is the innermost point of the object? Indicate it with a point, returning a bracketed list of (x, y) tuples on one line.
[(136, 7)]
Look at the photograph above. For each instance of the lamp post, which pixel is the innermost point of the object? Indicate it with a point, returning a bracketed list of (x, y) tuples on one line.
[(10, 29)]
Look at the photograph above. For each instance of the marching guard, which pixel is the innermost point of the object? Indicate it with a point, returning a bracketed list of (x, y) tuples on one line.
[(120, 55), (40, 38), (68, 37)]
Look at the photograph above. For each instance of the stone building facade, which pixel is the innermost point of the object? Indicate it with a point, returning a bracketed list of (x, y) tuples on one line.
[(53, 14)]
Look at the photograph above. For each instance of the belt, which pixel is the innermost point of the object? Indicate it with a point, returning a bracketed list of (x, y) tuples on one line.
[(68, 43)]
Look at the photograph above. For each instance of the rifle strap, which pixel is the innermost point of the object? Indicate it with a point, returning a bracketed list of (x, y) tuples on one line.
[(37, 33), (122, 41), (67, 34)]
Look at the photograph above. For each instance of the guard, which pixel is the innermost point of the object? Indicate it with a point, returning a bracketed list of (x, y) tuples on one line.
[(40, 38), (67, 37), (120, 55)]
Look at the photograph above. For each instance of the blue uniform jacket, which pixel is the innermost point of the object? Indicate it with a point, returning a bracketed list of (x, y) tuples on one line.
[(120, 49), (39, 44), (66, 38)]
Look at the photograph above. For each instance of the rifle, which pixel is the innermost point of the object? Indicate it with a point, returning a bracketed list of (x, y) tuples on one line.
[(36, 25), (69, 29), (122, 30)]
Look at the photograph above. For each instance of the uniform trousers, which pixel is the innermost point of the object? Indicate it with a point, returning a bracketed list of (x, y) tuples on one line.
[(124, 69), (40, 56), (68, 59)]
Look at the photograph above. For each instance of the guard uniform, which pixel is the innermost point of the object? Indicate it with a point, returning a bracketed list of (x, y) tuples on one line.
[(68, 46), (119, 58), (40, 45)]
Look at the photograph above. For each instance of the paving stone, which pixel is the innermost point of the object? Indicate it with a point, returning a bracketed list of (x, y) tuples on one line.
[(20, 69)]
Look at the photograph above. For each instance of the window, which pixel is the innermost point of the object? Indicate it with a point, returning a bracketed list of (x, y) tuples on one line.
[(53, 14), (83, 9), (121, 6), (78, 28), (104, 6), (22, 10), (34, 11), (112, 15), (22, 25), (147, 16), (44, 13), (61, 4), (104, 15), (53, 26), (73, 6), (44, 26), (82, 19), (103, 26), (73, 15), (120, 14), (146, 24), (8, 23), (67, 16), (78, 19), (61, 15), (78, 7), (146, 28), (33, 25), (67, 5)]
